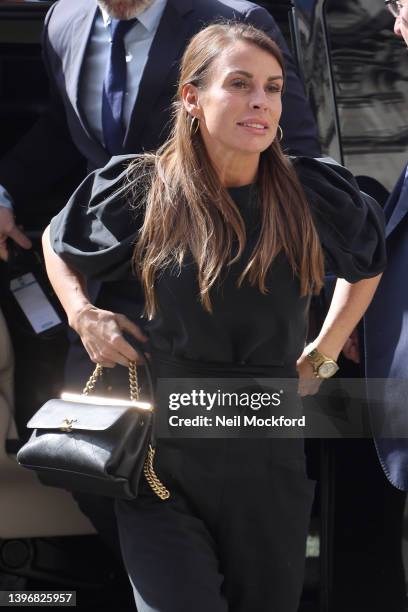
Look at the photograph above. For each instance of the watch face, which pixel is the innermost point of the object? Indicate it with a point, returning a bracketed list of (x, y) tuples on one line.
[(327, 369)]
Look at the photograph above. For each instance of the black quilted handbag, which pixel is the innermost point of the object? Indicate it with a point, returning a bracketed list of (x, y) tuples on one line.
[(94, 444)]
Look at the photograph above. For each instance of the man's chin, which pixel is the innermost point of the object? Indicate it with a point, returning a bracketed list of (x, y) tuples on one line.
[(124, 9)]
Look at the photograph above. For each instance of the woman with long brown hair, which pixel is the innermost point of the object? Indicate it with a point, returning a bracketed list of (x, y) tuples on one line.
[(228, 239)]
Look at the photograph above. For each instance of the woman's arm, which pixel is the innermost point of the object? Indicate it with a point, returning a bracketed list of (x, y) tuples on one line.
[(99, 330), (349, 303)]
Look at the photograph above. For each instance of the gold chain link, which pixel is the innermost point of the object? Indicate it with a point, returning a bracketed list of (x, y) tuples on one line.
[(134, 390), (155, 484), (90, 385), (133, 381)]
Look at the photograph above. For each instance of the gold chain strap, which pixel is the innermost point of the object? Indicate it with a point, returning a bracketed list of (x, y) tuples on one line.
[(90, 385), (134, 390), (148, 469), (133, 381)]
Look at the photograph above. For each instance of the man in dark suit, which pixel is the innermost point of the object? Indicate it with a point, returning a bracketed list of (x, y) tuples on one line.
[(386, 339), (385, 324), (386, 368), (386, 353)]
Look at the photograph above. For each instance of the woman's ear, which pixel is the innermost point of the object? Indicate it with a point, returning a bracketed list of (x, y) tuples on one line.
[(189, 96)]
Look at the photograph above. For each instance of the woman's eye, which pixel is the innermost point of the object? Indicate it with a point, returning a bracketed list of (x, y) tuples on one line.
[(239, 84), (274, 89)]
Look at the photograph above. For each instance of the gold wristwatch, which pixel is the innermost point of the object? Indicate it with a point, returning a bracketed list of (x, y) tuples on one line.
[(323, 366)]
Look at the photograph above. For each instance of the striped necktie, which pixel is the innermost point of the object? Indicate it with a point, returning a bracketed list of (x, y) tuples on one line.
[(114, 87)]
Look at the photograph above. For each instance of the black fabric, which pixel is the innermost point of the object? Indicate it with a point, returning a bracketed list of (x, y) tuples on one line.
[(348, 222), (368, 571), (96, 232), (231, 537)]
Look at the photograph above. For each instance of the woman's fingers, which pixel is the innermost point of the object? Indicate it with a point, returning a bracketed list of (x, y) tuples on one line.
[(107, 358), (120, 350), (308, 386), (111, 348), (3, 250), (308, 383), (101, 334), (120, 343), (351, 349), (127, 325), (105, 364), (123, 351)]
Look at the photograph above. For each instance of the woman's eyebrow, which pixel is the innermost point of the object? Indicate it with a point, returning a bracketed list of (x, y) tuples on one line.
[(251, 76)]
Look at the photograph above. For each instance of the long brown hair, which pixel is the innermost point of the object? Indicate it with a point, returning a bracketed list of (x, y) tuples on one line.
[(187, 209)]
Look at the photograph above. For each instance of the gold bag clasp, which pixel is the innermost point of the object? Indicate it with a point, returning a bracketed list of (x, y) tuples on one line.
[(67, 424)]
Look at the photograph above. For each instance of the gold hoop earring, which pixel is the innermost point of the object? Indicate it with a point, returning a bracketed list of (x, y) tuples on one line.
[(280, 134), (194, 130)]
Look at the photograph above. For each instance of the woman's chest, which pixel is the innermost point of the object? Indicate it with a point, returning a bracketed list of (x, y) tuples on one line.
[(232, 301)]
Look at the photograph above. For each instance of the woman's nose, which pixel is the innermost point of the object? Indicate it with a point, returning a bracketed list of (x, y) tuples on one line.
[(259, 100)]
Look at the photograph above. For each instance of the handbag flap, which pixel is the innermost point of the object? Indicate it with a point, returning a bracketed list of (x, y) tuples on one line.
[(60, 414)]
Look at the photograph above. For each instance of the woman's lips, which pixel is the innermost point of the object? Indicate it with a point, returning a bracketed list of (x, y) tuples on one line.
[(253, 127)]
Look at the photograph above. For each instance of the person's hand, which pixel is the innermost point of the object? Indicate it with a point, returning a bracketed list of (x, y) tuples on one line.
[(9, 229), (308, 383), (101, 335), (351, 350)]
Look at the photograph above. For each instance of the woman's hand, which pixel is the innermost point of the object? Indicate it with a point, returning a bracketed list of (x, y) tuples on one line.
[(349, 303), (99, 330), (101, 335), (308, 383), (351, 350)]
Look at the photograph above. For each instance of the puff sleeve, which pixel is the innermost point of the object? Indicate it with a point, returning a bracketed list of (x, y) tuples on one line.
[(350, 224), (95, 232)]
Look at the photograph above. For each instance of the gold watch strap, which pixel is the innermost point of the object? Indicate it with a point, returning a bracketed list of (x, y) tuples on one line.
[(317, 359), (318, 355)]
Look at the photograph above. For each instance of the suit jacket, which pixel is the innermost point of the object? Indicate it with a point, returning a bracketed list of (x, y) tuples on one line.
[(62, 137), (386, 345)]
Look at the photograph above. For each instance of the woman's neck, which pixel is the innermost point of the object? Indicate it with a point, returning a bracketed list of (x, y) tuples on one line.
[(236, 171)]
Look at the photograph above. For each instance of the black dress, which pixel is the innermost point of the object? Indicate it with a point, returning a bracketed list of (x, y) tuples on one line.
[(232, 535), (96, 231)]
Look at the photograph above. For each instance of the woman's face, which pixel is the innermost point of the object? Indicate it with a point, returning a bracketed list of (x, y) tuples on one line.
[(239, 106), (401, 22)]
